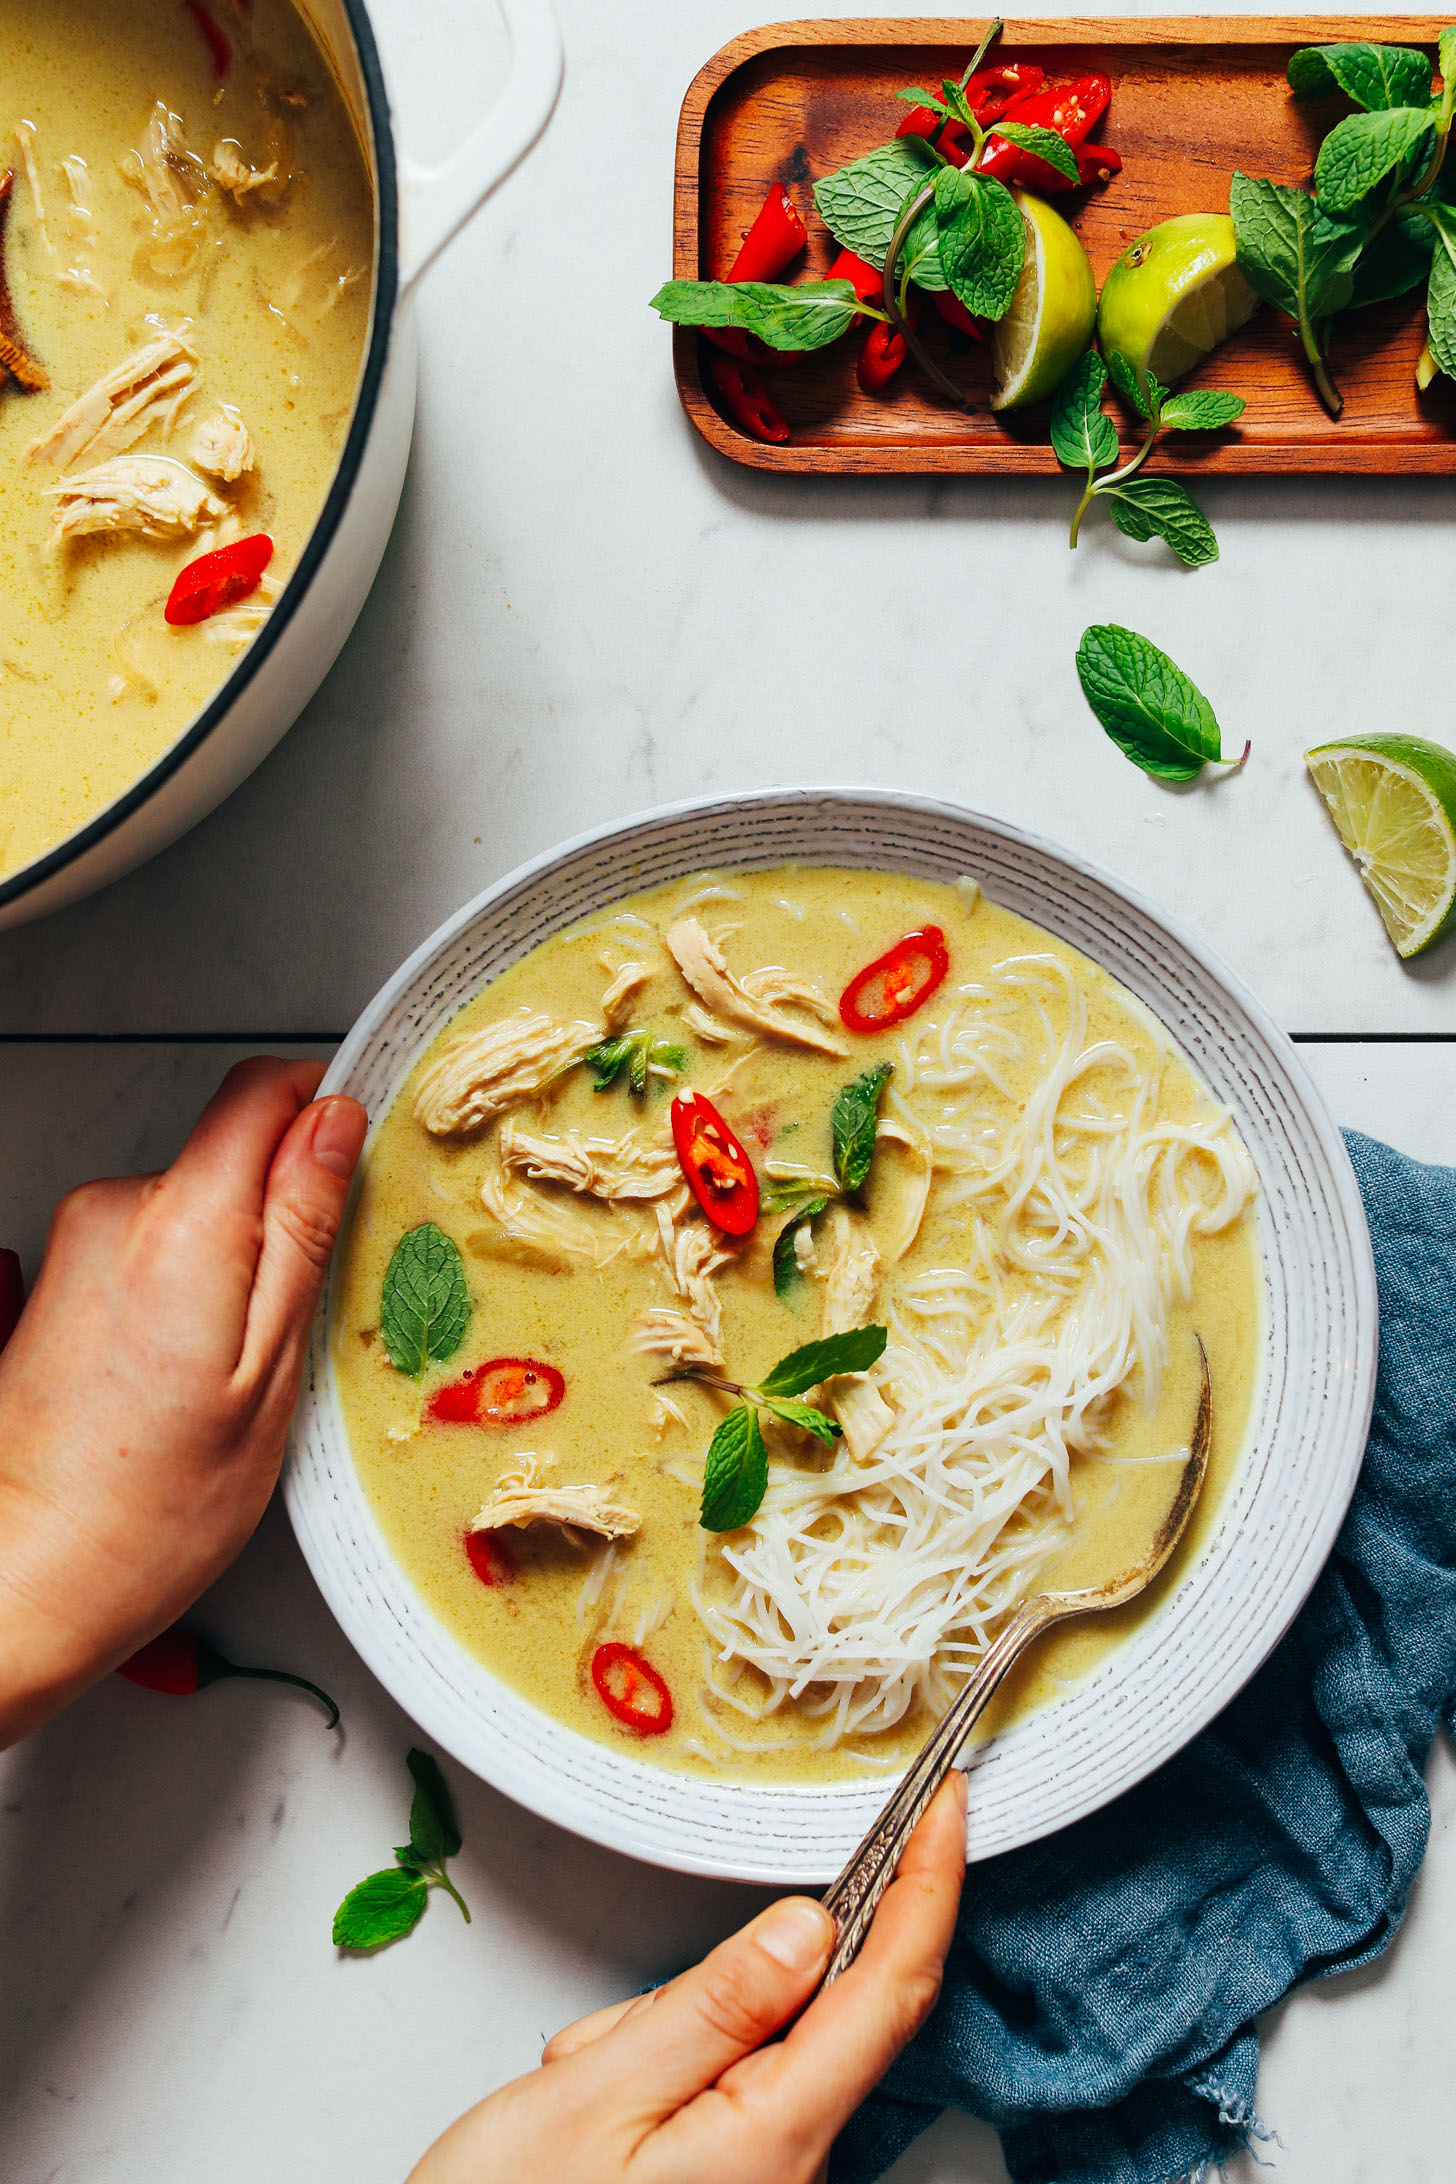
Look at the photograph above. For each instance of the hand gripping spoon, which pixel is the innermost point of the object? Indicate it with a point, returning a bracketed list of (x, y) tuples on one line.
[(851, 1901)]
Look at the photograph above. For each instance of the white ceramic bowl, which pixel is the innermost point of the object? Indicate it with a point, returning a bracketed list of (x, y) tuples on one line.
[(1277, 1523)]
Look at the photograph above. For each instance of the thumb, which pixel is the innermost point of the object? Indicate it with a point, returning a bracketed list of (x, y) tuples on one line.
[(732, 2002), (308, 1188)]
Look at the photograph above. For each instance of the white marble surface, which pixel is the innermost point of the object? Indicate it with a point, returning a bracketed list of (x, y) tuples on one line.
[(582, 613)]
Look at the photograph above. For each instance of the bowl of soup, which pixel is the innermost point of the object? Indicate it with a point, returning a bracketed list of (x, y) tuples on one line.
[(663, 1113), (208, 241)]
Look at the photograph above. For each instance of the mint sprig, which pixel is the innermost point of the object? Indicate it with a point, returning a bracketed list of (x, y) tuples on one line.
[(1084, 438), (390, 1904), (735, 1476), (853, 1125), (425, 1308), (1155, 714), (639, 1053)]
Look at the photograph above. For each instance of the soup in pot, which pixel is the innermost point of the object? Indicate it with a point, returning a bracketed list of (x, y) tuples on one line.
[(187, 229)]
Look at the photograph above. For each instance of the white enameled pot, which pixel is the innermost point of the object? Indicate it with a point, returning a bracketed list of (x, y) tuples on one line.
[(418, 211)]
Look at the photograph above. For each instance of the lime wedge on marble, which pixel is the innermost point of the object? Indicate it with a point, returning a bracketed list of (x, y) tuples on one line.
[(1052, 312), (1173, 295), (1393, 801)]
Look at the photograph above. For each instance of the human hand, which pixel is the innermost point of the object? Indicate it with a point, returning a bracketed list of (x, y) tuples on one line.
[(678, 2087), (146, 1392)]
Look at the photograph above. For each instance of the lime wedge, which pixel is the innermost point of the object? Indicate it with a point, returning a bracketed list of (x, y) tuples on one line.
[(1052, 313), (1174, 295), (1393, 799)]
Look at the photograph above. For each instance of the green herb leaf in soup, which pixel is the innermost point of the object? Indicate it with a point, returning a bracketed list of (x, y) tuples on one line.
[(817, 1422), (785, 1255), (735, 1478), (1154, 714), (426, 1304), (853, 1125), (1374, 76), (806, 1367)]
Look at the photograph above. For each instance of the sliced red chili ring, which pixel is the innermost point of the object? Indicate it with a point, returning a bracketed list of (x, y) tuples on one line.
[(218, 580), (893, 987), (490, 1558), (501, 1393), (719, 1173), (631, 1689)]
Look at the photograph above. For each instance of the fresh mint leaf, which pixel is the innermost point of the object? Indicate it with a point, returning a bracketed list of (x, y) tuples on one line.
[(804, 1415), (1441, 293), (1291, 252), (382, 1909), (1360, 151), (920, 256), (861, 204), (917, 95), (1398, 260), (853, 1124), (434, 1830), (1043, 144), (1149, 707), (1201, 409), (785, 1258), (1083, 436), (735, 1478), (1374, 76), (1139, 390), (425, 1308), (1144, 508), (1446, 61), (982, 240), (960, 106), (808, 316), (804, 1368)]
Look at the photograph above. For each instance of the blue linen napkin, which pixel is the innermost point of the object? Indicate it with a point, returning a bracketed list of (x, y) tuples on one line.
[(1101, 1990)]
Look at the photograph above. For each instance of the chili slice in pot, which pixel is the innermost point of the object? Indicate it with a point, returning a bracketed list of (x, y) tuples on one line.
[(891, 988), (490, 1558), (719, 1173), (219, 580), (631, 1690), (217, 44), (502, 1392)]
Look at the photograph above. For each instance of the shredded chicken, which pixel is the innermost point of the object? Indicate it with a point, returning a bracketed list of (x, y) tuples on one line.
[(911, 1210), (665, 1332), (221, 444), (692, 1257), (849, 1296), (523, 1497), (626, 984), (125, 402), (231, 171), (238, 626), (610, 1168), (774, 984), (169, 176), (482, 1074), (146, 493), (709, 1028), (702, 965), (555, 1231)]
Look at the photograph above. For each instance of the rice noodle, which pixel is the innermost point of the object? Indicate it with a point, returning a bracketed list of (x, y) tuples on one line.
[(863, 1588)]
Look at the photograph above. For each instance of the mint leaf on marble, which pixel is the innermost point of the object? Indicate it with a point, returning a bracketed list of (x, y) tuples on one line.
[(1155, 714), (390, 1904), (382, 1909)]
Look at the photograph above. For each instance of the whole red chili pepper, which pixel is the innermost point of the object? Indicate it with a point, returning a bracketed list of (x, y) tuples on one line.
[(179, 1663), (747, 400), (1071, 109), (12, 1295), (773, 242)]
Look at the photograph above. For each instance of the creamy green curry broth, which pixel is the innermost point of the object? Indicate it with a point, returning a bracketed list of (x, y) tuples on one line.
[(538, 1631), (267, 283)]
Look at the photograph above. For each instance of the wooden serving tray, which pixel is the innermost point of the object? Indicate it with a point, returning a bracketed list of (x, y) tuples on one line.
[(1193, 97)]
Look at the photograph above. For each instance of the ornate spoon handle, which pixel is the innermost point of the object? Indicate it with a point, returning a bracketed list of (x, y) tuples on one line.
[(851, 1901)]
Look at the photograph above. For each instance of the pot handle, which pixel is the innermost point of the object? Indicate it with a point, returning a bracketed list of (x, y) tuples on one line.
[(436, 202)]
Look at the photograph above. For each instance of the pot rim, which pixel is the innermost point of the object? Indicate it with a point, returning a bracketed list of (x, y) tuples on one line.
[(386, 302)]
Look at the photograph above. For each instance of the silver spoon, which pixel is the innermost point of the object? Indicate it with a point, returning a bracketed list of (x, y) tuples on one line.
[(851, 1901)]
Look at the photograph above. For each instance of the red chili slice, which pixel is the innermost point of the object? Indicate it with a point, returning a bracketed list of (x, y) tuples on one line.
[(719, 1173), (747, 400), (217, 44), (501, 1393), (490, 1558), (218, 580), (631, 1690), (773, 242), (891, 988)]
